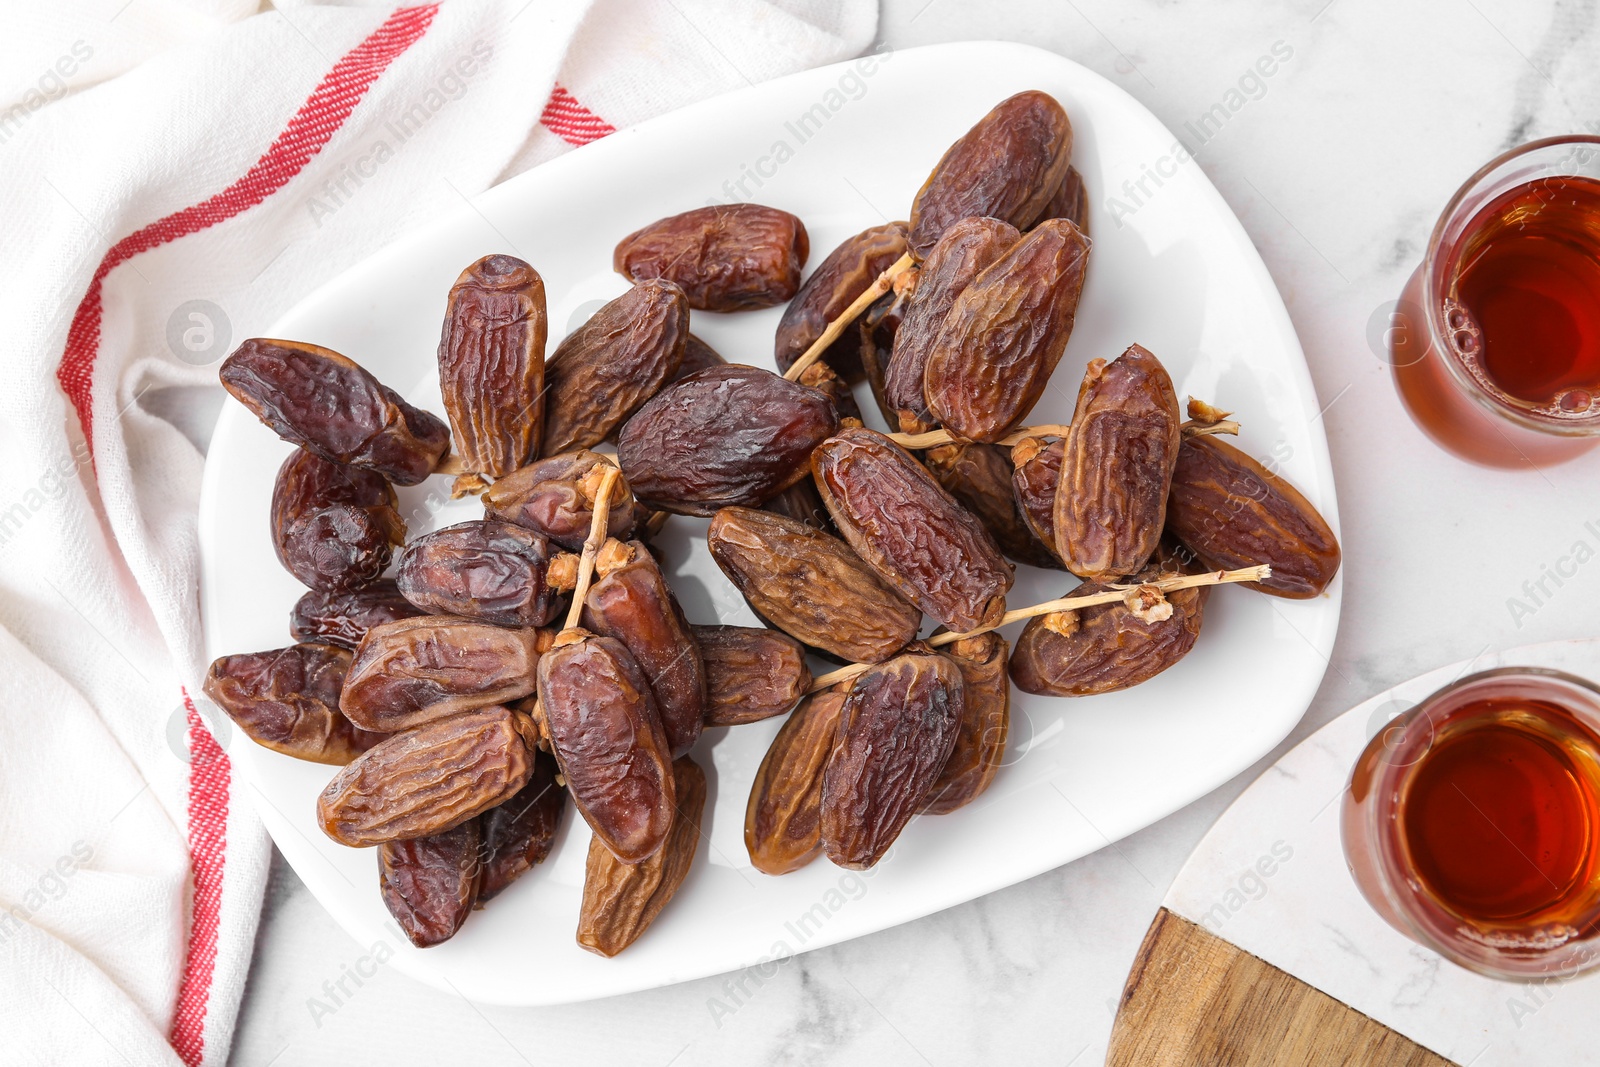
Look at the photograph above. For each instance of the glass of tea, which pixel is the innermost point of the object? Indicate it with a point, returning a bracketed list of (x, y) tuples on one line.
[(1495, 343), (1472, 823)]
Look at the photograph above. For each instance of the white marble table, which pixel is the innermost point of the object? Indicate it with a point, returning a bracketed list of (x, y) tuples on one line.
[(1337, 165)]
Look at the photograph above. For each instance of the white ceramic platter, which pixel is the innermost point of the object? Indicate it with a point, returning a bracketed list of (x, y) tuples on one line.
[(843, 147)]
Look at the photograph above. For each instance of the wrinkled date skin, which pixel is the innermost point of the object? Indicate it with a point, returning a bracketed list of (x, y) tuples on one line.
[(520, 833), (483, 569), (1104, 648), (751, 673), (729, 435), (1007, 167), (288, 700), (985, 722), (1116, 470), (621, 900), (811, 585), (783, 819), (343, 619), (430, 884), (966, 250), (1070, 202), (631, 601), (895, 734), (1035, 474), (933, 551), (821, 377), (329, 405), (601, 718), (428, 780), (555, 496), (611, 364), (801, 503), (832, 287), (334, 526), (735, 257), (979, 477), (697, 356), (414, 671), (491, 364), (1232, 512), (878, 327), (994, 353)]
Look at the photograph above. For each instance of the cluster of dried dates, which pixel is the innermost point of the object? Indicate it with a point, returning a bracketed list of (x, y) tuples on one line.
[(463, 712)]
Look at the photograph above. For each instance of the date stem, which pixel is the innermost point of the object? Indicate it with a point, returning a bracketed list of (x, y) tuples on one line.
[(1067, 603), (916, 442), (882, 284), (591, 548)]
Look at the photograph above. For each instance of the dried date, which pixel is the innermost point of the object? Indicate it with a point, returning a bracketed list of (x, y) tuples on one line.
[(832, 287), (732, 257), (783, 819), (491, 364), (1116, 470), (329, 405), (520, 833), (414, 671), (821, 377), (1036, 472), (801, 503), (697, 356), (334, 527), (923, 543), (729, 435), (811, 585), (1233, 512), (995, 351), (621, 900), (613, 363), (966, 250), (288, 700), (979, 477), (343, 619), (751, 673), (1007, 167), (427, 780), (1070, 202), (555, 496), (631, 601), (985, 722), (430, 884), (895, 734), (484, 569)]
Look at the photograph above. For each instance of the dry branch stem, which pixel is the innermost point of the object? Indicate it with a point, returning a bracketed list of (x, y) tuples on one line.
[(591, 547), (872, 292)]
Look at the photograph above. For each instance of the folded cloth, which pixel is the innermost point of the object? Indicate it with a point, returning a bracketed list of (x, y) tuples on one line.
[(174, 175)]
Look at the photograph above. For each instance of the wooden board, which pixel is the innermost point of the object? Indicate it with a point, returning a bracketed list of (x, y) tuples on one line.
[(1194, 1000)]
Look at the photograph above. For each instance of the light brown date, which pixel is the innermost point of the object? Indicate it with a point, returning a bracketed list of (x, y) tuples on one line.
[(783, 819), (985, 721), (832, 287), (751, 673), (427, 780), (1036, 472), (1070, 202), (288, 700), (979, 477), (732, 257), (430, 884)]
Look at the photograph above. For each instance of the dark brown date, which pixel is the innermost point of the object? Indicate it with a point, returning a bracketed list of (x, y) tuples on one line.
[(985, 722), (1007, 167), (751, 673), (621, 900), (491, 364), (430, 884), (994, 353), (414, 671), (1036, 472), (783, 819), (611, 364), (966, 250), (1104, 648), (697, 356), (832, 287), (288, 700), (729, 258), (1233, 512), (428, 780), (334, 527), (1070, 202), (979, 477), (801, 503), (343, 619), (601, 718), (555, 496), (729, 435), (878, 327), (1116, 470), (329, 405), (821, 377), (521, 832), (811, 586), (933, 551), (483, 569), (631, 601), (895, 734)]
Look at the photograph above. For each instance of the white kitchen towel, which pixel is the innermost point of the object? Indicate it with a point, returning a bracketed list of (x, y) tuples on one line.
[(174, 174)]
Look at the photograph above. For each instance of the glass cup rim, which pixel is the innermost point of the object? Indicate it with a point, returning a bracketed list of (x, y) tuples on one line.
[(1432, 310)]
